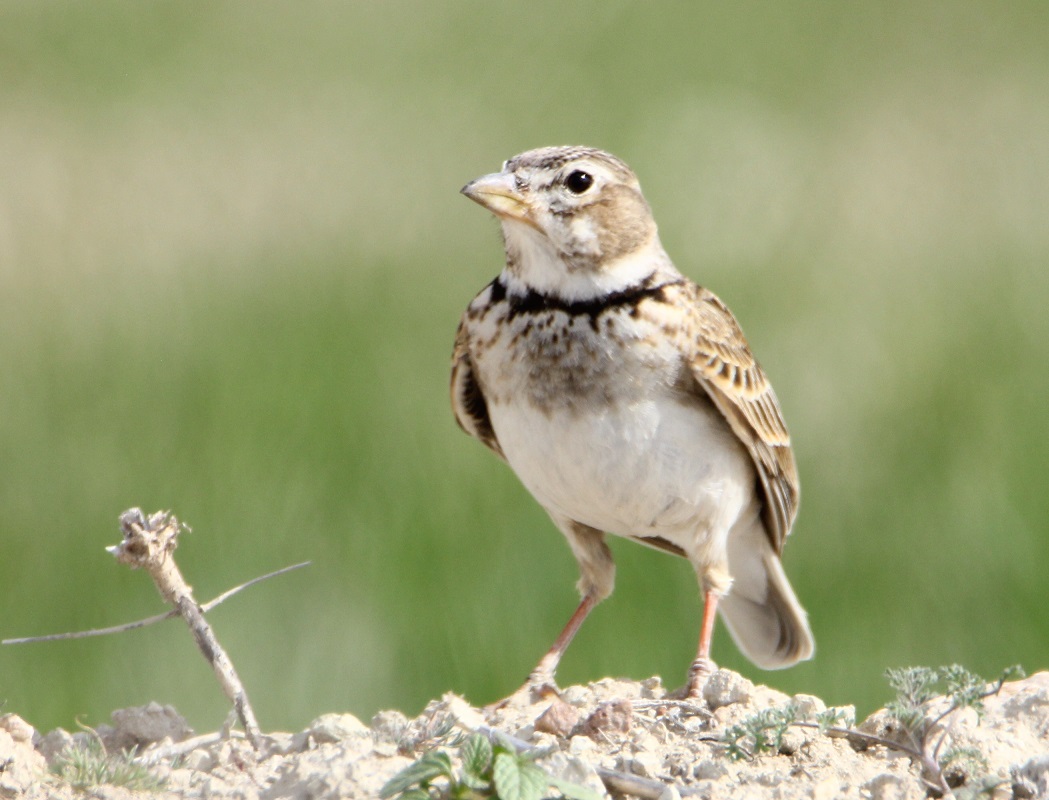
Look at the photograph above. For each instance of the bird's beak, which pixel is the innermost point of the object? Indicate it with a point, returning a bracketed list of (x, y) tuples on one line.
[(498, 193)]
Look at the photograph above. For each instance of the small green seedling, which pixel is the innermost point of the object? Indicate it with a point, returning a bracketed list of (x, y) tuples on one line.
[(488, 770), (86, 766)]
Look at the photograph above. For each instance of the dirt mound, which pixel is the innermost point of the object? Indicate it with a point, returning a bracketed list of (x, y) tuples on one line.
[(618, 736)]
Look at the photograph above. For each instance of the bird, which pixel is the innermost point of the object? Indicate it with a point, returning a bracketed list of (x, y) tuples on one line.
[(627, 401)]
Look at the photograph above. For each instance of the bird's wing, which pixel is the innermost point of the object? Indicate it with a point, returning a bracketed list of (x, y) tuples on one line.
[(468, 403), (722, 364)]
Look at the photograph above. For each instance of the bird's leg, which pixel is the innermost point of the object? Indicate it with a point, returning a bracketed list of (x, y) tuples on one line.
[(541, 679), (596, 579), (703, 666), (543, 674)]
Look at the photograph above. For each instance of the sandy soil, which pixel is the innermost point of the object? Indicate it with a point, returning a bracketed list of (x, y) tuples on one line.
[(630, 736)]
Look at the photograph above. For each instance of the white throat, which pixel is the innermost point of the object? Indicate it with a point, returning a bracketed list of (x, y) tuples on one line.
[(537, 266)]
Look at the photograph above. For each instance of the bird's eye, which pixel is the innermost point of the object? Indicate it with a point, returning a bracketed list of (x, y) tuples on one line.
[(578, 181)]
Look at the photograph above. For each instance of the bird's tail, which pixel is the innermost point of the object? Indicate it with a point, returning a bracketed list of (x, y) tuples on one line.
[(761, 610)]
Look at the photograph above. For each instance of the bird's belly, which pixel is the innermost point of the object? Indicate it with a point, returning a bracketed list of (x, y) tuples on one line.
[(665, 467)]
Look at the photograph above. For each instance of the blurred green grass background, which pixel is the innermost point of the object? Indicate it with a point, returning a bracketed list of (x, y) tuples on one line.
[(232, 259)]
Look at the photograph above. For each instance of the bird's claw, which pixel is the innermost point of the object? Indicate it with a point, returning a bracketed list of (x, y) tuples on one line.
[(698, 672), (536, 688)]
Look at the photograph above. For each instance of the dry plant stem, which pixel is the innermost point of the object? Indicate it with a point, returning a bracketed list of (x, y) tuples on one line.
[(150, 544), (928, 762), (932, 774), (158, 753), (142, 623)]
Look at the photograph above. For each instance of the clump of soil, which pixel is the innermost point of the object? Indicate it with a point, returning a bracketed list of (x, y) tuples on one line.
[(631, 736)]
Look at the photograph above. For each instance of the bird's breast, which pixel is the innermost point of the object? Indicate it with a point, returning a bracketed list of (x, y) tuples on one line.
[(654, 467), (561, 362), (591, 415)]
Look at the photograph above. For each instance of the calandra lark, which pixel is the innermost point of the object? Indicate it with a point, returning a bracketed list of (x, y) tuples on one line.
[(627, 401)]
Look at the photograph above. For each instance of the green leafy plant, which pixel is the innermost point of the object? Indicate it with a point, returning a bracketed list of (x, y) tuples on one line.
[(85, 766), (925, 698), (916, 709), (763, 732), (488, 771)]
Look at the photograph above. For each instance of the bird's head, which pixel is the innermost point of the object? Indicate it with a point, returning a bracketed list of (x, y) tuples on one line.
[(574, 220)]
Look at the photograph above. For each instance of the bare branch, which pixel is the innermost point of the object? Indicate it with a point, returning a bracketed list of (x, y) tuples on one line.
[(130, 626), (157, 753), (149, 543), (226, 595), (142, 623), (867, 738)]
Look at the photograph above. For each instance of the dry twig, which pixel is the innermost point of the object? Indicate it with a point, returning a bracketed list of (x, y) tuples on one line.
[(142, 623), (149, 544)]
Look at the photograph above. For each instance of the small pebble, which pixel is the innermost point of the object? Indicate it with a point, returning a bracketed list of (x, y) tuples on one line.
[(615, 716), (559, 719), (329, 728), (725, 687)]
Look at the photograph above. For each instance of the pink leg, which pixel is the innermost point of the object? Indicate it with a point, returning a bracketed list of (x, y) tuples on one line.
[(703, 666), (541, 679)]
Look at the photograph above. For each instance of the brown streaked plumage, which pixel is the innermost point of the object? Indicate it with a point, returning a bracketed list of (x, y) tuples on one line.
[(725, 368), (627, 400)]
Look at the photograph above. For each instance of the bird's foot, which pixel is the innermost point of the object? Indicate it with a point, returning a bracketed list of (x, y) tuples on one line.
[(701, 669), (538, 687)]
